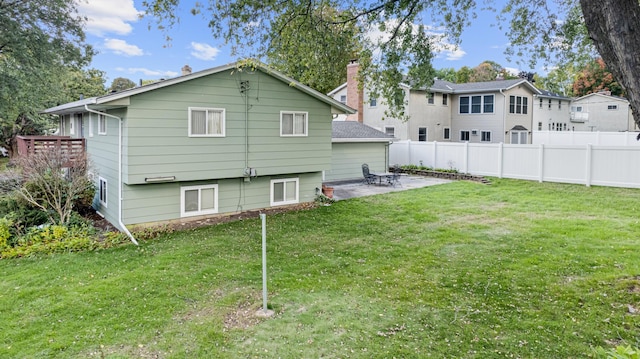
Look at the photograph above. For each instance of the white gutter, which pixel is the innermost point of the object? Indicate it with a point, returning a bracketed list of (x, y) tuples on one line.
[(124, 228), (504, 116)]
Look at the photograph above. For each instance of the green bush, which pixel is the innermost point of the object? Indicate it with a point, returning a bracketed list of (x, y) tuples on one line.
[(52, 239), (5, 232), (620, 352), (21, 213)]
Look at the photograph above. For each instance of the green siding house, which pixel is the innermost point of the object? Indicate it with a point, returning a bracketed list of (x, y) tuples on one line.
[(223, 140)]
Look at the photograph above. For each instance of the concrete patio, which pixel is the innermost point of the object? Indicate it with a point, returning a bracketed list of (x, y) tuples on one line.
[(357, 188)]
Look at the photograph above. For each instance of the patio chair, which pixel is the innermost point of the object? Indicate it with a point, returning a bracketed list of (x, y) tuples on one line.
[(394, 179), (369, 178)]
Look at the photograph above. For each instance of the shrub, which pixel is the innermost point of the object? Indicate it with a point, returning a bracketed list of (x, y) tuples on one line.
[(52, 239), (5, 232), (620, 352), (21, 213), (9, 181)]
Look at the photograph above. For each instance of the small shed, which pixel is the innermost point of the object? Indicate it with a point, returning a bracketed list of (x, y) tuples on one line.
[(354, 143)]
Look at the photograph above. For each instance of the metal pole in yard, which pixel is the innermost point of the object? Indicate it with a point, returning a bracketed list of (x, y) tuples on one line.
[(264, 262)]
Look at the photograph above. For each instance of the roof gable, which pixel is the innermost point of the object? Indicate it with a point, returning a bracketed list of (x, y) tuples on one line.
[(337, 107)]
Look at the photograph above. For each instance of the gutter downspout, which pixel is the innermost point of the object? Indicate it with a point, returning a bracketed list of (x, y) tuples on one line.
[(124, 228)]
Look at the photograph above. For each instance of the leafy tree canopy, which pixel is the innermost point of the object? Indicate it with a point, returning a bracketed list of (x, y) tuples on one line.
[(121, 83), (595, 77), (397, 46)]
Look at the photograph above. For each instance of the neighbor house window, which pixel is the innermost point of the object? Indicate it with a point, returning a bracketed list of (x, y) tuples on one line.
[(293, 123), (206, 122), (464, 135), (612, 107), (559, 104), (390, 131), (549, 104), (540, 103), (284, 191), (422, 134), (373, 102), (518, 104), (102, 124), (446, 133), (539, 126), (430, 98), (198, 200), (343, 98), (519, 137), (102, 191), (445, 99), (485, 136), (476, 104), (576, 108)]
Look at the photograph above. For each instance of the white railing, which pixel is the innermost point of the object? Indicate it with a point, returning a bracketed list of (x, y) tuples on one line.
[(614, 166), (585, 138)]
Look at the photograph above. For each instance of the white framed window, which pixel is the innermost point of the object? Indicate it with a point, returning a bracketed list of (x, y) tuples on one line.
[(476, 104), (72, 125), (539, 126), (293, 123), (518, 104), (102, 191), (485, 136), (576, 108), (549, 104), (343, 99), (559, 104), (422, 134), (464, 135), (284, 191), (519, 137), (390, 131), (612, 107), (445, 98), (198, 200), (206, 122), (540, 103), (446, 133), (431, 98), (102, 124), (90, 124), (373, 102)]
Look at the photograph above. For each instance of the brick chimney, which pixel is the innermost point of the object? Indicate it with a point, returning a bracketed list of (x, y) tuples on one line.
[(186, 70), (354, 95)]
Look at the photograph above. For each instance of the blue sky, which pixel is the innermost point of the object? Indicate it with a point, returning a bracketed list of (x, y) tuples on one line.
[(132, 47)]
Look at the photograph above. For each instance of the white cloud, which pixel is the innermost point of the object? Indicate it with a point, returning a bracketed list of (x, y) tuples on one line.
[(440, 44), (121, 47), (512, 70), (108, 16), (203, 51), (147, 72)]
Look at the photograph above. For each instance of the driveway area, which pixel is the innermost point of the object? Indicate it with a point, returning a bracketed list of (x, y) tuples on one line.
[(345, 190)]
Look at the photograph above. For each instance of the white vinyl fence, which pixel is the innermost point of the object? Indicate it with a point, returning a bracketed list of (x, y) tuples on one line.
[(584, 138), (614, 166)]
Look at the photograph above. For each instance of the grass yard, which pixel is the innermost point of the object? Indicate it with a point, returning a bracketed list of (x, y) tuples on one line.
[(516, 269)]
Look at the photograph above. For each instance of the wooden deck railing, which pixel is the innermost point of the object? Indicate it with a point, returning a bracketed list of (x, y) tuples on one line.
[(72, 147)]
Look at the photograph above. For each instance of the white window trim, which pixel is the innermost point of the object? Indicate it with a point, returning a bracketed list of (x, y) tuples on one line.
[(214, 210), (389, 127), (426, 133), (279, 180), (224, 121), (374, 105), (306, 123), (102, 180), (469, 135), (482, 135), (612, 107), (482, 104), (102, 119), (444, 131), (72, 126)]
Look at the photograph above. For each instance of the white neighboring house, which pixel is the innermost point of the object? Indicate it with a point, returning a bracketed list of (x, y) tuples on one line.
[(601, 112), (494, 111), (551, 112)]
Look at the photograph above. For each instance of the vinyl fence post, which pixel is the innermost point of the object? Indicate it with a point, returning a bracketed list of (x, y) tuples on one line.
[(541, 163), (409, 151), (264, 262), (466, 157), (435, 154), (588, 166), (500, 158)]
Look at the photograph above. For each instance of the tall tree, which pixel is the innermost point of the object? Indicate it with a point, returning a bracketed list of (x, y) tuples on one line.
[(40, 41), (314, 51), (595, 77), (464, 75), (538, 30), (447, 74), (121, 83)]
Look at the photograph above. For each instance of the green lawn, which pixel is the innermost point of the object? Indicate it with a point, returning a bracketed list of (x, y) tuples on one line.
[(515, 269)]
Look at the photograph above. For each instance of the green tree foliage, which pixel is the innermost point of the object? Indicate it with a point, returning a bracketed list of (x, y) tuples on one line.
[(396, 46), (314, 50), (121, 83), (464, 75), (447, 74), (40, 42), (595, 77)]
